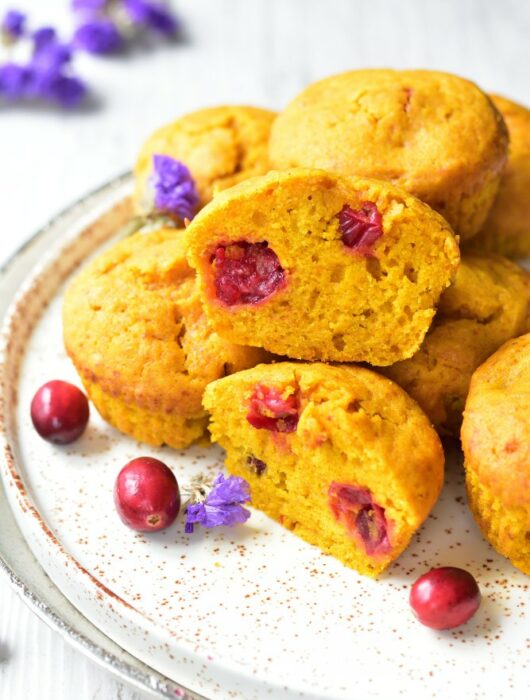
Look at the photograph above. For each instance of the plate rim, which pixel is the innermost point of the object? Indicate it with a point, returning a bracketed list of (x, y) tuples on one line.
[(145, 679)]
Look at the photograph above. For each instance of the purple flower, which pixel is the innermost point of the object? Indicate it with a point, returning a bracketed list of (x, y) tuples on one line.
[(59, 88), (98, 36), (49, 66), (175, 192), (222, 506), (42, 37), (50, 56), (13, 24), (89, 6), (14, 81), (46, 76), (152, 14)]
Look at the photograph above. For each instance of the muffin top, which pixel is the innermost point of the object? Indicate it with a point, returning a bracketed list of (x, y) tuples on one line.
[(343, 268), (220, 146), (134, 324), (418, 129), (496, 427), (507, 228), (485, 306)]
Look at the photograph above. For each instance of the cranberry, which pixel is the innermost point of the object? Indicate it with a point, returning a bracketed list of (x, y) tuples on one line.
[(444, 598), (59, 412), (269, 410), (246, 273), (354, 507), (256, 466), (361, 227), (146, 495)]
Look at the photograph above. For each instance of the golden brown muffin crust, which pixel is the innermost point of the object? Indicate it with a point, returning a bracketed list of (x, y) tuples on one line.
[(220, 146), (436, 135), (496, 427), (486, 306), (507, 228), (135, 330)]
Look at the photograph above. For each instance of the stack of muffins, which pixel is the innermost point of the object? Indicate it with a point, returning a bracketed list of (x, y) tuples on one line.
[(366, 223)]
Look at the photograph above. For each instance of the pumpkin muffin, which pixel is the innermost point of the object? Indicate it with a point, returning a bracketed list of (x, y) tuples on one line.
[(507, 228), (486, 306), (136, 333), (496, 444), (339, 455), (436, 135), (318, 266), (219, 145)]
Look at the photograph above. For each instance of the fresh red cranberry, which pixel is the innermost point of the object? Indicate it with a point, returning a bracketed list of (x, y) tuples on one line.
[(269, 410), (59, 412), (444, 598), (146, 495), (246, 273), (354, 507), (361, 227)]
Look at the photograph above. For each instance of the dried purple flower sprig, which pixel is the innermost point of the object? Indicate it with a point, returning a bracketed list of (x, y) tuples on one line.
[(107, 26), (103, 27), (216, 502), (47, 75), (171, 189), (13, 26)]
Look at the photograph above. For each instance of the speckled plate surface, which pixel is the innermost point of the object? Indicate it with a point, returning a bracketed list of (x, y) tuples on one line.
[(247, 613)]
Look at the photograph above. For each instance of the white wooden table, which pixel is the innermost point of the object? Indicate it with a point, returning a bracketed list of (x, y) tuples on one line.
[(243, 51)]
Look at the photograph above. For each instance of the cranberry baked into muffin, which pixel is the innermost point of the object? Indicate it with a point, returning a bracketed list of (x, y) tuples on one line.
[(318, 266), (496, 444), (136, 333), (339, 455), (436, 135)]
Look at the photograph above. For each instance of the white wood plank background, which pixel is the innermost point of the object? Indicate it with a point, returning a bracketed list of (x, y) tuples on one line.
[(246, 51)]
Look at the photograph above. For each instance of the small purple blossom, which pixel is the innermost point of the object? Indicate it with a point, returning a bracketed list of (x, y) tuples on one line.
[(175, 191), (222, 506), (46, 76), (89, 6), (14, 81), (42, 37), (59, 88), (153, 15), (13, 24), (98, 36), (49, 54)]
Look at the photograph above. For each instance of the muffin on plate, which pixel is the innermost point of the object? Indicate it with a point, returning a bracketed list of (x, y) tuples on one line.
[(507, 228), (496, 444), (136, 333), (319, 266), (487, 305), (219, 145), (339, 455), (436, 135)]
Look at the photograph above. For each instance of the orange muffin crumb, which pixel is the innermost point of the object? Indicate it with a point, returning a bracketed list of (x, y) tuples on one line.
[(318, 266), (339, 455), (136, 333)]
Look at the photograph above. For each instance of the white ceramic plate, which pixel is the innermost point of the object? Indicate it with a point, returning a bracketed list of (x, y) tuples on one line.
[(244, 613)]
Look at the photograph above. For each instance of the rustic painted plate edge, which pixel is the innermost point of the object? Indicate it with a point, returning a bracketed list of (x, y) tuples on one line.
[(24, 573)]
